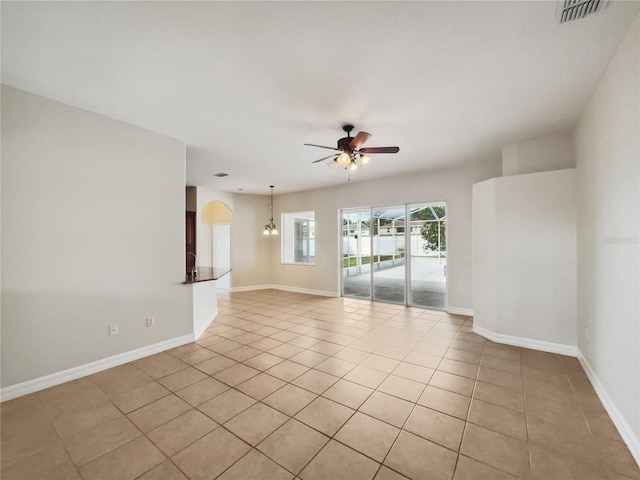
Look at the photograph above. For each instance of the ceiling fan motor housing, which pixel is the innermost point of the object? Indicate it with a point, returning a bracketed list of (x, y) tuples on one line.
[(343, 144)]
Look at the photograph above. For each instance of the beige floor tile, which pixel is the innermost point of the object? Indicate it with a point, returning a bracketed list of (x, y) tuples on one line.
[(325, 415), (505, 397), (352, 355), (368, 435), (126, 462), (260, 386), (504, 453), (226, 405), (256, 423), (243, 353), (435, 426), (308, 358), (445, 401), (500, 378), (89, 444), (51, 462), (287, 370), (211, 455), (326, 348), (335, 366), (25, 433), (182, 431), (315, 381), (198, 356), (167, 470), (348, 393), (408, 456), (463, 356), (120, 379), (129, 401), (453, 383), (225, 346), (161, 411), (509, 366), (182, 378), (413, 372), (202, 391), (293, 445), (387, 408), (366, 376), (499, 419), (160, 365), (338, 462), (284, 336), (304, 341), (617, 458), (468, 346), (402, 388), (215, 365), (366, 345), (390, 351), (255, 466), (455, 367), (470, 469), (247, 338), (237, 374), (266, 344), (285, 350), (290, 399), (548, 465), (385, 473), (380, 363), (85, 416), (264, 361), (573, 439)]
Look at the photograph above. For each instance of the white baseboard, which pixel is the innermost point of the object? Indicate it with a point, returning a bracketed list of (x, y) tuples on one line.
[(37, 384), (625, 430), (200, 330), (550, 347), (460, 311), (286, 288)]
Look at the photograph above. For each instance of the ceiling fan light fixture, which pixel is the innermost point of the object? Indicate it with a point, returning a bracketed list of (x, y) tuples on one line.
[(365, 160), (353, 166), (343, 159)]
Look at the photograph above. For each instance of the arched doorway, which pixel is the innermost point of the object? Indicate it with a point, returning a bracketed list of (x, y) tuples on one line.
[(215, 238)]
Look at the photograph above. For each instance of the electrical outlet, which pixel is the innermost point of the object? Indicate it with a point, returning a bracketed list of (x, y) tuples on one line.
[(151, 321), (113, 329)]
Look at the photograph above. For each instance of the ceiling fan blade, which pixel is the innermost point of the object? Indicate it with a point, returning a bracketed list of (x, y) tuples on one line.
[(359, 139), (322, 146), (380, 150), (323, 158)]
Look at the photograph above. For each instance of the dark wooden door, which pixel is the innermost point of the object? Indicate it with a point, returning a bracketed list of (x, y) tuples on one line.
[(190, 236)]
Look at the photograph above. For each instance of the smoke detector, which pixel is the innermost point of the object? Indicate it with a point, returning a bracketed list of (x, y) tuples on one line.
[(572, 10)]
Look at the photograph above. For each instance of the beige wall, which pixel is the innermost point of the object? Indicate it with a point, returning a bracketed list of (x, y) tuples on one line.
[(92, 235), (450, 185), (607, 162)]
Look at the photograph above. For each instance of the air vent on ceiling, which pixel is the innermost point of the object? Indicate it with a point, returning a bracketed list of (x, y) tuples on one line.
[(221, 174), (571, 10)]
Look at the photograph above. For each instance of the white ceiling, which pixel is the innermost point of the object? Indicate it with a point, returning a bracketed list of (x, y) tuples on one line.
[(245, 84)]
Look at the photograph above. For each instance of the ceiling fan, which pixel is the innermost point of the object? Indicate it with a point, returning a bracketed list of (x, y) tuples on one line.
[(351, 153)]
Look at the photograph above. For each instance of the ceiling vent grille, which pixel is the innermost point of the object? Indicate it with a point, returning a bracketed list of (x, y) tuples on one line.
[(571, 10)]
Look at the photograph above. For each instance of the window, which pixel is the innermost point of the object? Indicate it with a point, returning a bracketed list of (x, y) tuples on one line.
[(298, 238)]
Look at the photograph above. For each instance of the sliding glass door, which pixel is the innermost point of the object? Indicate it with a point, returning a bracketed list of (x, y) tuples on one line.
[(395, 254), (428, 255), (388, 254), (356, 253)]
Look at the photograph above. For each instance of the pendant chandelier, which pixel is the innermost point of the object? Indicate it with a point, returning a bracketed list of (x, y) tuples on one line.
[(270, 228)]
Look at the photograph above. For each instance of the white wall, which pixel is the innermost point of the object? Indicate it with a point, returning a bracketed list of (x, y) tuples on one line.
[(92, 235), (607, 161), (451, 185), (525, 258), (538, 155)]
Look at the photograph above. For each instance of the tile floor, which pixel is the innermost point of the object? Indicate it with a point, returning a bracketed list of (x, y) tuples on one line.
[(285, 385)]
